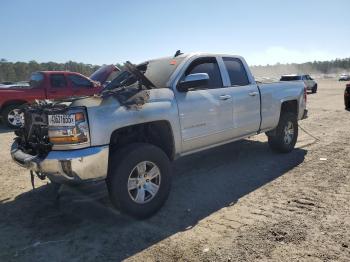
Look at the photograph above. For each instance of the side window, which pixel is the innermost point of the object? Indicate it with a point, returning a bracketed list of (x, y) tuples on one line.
[(209, 66), (79, 81), (36, 79), (236, 71), (58, 81)]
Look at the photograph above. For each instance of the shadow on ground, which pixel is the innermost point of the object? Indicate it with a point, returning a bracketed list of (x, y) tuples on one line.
[(84, 228), (4, 128)]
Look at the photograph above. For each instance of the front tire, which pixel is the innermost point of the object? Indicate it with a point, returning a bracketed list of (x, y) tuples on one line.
[(12, 116), (314, 89), (286, 134), (139, 179)]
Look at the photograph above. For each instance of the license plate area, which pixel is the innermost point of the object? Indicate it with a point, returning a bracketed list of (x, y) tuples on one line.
[(61, 120)]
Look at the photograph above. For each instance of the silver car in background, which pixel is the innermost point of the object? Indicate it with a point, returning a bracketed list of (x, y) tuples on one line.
[(310, 83)]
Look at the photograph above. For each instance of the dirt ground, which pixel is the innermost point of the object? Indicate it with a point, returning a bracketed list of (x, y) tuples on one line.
[(238, 202)]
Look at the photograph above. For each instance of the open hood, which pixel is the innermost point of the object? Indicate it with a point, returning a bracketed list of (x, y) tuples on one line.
[(102, 74)]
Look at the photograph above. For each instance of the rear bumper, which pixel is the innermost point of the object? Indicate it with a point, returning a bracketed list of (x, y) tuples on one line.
[(71, 166)]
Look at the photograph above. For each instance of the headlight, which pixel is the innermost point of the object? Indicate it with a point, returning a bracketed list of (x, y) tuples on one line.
[(69, 129)]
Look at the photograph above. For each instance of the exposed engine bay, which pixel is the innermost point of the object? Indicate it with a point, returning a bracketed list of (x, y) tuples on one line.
[(33, 136), (130, 88)]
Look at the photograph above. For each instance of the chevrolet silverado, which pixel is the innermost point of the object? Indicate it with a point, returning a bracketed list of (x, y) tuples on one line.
[(151, 114)]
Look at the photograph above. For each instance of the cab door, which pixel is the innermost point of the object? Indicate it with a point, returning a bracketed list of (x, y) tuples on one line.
[(205, 111), (58, 86), (245, 96), (82, 86)]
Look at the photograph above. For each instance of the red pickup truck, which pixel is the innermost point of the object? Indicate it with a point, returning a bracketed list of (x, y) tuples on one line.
[(50, 85)]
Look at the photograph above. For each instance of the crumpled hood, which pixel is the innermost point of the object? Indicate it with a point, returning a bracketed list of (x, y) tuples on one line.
[(91, 101)]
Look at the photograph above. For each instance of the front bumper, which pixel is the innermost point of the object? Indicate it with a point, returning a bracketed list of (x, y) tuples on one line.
[(71, 166)]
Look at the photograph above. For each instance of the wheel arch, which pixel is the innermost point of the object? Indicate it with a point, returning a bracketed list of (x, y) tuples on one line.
[(12, 102), (287, 106), (290, 106), (158, 133)]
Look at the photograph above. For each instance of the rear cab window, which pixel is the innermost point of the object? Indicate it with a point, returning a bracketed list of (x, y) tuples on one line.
[(236, 71), (290, 78)]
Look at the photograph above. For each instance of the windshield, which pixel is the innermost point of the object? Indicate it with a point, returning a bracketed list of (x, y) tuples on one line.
[(158, 71), (290, 78)]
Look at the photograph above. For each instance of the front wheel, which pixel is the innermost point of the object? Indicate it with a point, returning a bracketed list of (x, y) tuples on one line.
[(286, 134), (12, 116), (139, 179), (314, 89)]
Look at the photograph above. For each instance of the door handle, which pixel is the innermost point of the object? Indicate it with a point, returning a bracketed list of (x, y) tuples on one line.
[(253, 93), (224, 97)]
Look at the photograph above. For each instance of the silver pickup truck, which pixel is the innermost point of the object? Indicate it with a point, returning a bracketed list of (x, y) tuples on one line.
[(149, 115)]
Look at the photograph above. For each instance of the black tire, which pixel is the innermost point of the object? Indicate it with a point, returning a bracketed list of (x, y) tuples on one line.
[(122, 164), (314, 89), (277, 141), (5, 112)]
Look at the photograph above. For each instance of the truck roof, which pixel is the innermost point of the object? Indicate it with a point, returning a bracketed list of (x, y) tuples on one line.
[(57, 72), (187, 55), (291, 75)]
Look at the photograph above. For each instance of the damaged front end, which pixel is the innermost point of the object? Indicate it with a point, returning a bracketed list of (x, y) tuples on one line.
[(33, 136), (55, 143)]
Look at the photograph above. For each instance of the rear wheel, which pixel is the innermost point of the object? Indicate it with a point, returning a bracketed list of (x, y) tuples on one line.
[(139, 179), (286, 134), (12, 116)]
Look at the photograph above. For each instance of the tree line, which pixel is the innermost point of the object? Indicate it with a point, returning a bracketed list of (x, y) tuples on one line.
[(21, 71), (336, 66)]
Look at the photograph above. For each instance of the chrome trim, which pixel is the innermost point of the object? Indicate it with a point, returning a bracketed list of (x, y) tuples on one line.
[(196, 77), (85, 164)]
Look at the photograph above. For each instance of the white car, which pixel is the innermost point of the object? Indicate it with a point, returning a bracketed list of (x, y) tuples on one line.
[(310, 83), (344, 77)]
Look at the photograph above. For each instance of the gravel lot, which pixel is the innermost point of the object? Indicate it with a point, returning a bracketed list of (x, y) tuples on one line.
[(233, 203)]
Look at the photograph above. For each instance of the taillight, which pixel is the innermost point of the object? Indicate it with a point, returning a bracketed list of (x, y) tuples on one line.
[(305, 94)]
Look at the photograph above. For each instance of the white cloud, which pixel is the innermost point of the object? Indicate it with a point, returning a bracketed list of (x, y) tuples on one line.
[(279, 54)]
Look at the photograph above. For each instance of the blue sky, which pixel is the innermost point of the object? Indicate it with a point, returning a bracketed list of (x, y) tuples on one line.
[(98, 32)]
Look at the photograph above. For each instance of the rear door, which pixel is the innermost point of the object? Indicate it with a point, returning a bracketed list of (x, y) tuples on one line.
[(246, 98), (58, 86), (205, 112), (82, 86)]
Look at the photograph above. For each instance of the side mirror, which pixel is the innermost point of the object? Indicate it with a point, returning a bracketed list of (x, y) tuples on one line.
[(193, 81)]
